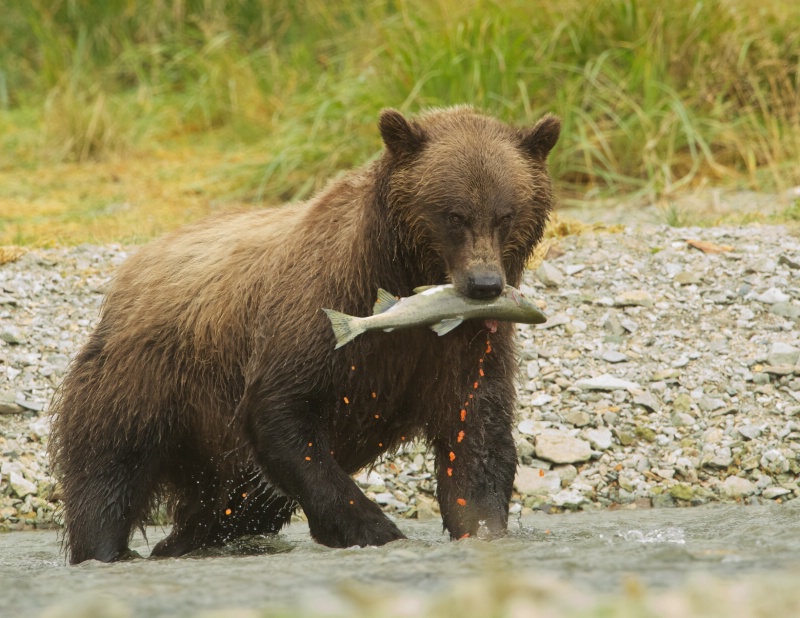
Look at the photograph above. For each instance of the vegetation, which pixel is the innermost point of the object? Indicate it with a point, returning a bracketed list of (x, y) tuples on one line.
[(120, 119)]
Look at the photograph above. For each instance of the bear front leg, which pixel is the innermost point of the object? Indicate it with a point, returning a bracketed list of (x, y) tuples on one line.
[(476, 461), (294, 451)]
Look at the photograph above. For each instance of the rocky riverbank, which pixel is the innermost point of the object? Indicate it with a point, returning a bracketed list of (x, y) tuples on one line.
[(667, 373)]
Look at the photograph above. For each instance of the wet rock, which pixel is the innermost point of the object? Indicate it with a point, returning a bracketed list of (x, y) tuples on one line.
[(562, 448), (569, 498)]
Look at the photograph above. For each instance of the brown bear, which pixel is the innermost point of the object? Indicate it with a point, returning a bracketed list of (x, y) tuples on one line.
[(211, 380)]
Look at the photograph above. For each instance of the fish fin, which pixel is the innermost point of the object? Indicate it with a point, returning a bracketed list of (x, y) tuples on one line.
[(422, 288), (345, 327), (445, 326), (386, 301)]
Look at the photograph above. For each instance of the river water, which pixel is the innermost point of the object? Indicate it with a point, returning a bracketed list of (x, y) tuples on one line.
[(574, 564)]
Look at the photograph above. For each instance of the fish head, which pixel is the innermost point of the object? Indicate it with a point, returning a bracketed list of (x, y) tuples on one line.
[(475, 194)]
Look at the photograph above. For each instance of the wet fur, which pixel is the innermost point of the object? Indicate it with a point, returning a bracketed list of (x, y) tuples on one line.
[(212, 374)]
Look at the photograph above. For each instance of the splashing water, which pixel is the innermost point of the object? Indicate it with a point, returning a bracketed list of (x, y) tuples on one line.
[(483, 533)]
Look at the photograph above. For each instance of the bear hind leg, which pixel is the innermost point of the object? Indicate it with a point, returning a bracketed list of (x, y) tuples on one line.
[(208, 517), (102, 508)]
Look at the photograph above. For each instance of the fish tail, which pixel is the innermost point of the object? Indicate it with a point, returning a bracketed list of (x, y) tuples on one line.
[(345, 327)]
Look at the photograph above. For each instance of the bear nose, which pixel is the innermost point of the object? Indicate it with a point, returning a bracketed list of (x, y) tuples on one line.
[(484, 286)]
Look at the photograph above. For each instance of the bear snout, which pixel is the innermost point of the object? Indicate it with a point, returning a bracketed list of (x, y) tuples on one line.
[(484, 285)]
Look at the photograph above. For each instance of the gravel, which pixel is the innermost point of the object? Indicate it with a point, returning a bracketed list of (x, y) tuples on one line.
[(667, 374)]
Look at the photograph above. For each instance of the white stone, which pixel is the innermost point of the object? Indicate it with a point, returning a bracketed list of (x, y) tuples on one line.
[(569, 497), (21, 486), (772, 296), (530, 481), (599, 438), (770, 493), (737, 487), (606, 382), (548, 274), (561, 448), (783, 354)]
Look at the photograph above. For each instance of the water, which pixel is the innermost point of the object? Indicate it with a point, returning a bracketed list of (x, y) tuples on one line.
[(591, 553)]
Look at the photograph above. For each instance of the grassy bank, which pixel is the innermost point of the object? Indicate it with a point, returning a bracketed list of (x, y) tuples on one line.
[(121, 119)]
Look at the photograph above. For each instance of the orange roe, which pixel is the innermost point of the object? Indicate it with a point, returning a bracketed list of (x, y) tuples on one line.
[(462, 502), (460, 436), (228, 511), (346, 400), (463, 415), (449, 472), (452, 456)]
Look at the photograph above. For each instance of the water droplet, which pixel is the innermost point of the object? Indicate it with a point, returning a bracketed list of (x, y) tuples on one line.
[(483, 531)]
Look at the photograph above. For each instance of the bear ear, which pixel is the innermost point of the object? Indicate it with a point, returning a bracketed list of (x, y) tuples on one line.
[(400, 136), (539, 140)]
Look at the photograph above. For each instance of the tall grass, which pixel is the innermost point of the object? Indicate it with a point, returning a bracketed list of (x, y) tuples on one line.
[(655, 97)]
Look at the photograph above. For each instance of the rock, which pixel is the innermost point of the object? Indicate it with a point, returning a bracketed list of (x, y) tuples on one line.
[(11, 335), (764, 265), (548, 274), (687, 278), (569, 498), (525, 448), (21, 486), (600, 438), (573, 269), (612, 325), (9, 407), (709, 404), (772, 296), (737, 487), (646, 399), (783, 354), (750, 432), (532, 481), (789, 261), (722, 458), (561, 448), (612, 356), (634, 298), (578, 418), (770, 493), (606, 382), (786, 310)]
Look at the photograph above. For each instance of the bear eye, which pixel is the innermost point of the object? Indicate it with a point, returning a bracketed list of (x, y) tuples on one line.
[(505, 220), (456, 220)]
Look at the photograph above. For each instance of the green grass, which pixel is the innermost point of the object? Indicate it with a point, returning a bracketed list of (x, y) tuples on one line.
[(656, 98)]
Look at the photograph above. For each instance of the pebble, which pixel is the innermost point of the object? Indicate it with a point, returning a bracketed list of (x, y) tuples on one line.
[(704, 406), (561, 448), (606, 382), (783, 354), (738, 487), (533, 481), (549, 274)]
